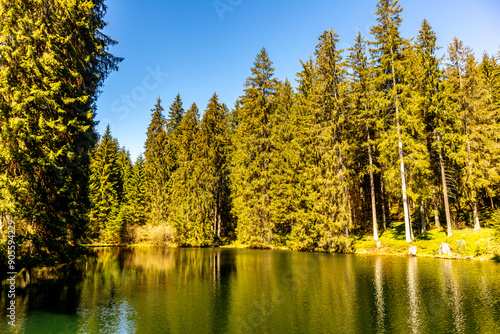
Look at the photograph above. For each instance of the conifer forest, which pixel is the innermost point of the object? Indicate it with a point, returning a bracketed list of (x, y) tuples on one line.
[(393, 131)]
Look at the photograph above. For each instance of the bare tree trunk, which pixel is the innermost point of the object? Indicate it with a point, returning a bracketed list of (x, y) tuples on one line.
[(423, 231), (372, 190), (345, 196), (427, 220), (408, 231), (477, 227), (445, 188), (215, 220), (384, 220), (410, 203), (219, 220), (350, 214), (436, 211), (403, 186)]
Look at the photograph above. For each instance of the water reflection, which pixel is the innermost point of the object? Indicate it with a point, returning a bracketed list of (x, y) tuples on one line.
[(161, 290), (453, 294), (379, 294), (118, 316), (413, 295)]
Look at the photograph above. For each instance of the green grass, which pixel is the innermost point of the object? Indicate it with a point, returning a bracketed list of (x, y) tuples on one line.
[(480, 244)]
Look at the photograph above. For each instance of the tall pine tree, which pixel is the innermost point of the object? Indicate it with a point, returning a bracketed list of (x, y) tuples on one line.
[(105, 188), (390, 87), (251, 157), (363, 121), (212, 169), (476, 150), (329, 191), (157, 167), (429, 90), (135, 197), (285, 164), (182, 195), (53, 60)]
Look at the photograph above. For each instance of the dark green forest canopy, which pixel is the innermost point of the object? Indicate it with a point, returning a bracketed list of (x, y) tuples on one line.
[(381, 133), (53, 61), (384, 132)]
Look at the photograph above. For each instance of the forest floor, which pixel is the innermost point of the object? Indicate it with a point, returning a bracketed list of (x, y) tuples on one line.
[(464, 243)]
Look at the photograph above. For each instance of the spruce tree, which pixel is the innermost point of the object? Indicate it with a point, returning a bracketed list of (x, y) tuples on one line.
[(53, 60), (304, 230), (105, 186), (136, 193), (188, 129), (212, 172), (496, 80), (391, 93), (363, 121), (429, 90), (476, 150), (284, 164), (175, 114), (173, 130), (252, 154), (125, 170), (182, 194), (329, 195), (157, 167)]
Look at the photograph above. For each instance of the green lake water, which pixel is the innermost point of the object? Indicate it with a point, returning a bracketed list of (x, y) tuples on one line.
[(165, 290)]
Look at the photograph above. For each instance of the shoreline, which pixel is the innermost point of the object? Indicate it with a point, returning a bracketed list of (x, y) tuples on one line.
[(362, 247)]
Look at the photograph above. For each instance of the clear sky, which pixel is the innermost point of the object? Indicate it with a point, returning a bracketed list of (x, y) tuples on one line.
[(198, 47)]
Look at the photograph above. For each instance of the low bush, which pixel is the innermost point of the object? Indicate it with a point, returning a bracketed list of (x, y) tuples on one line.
[(159, 235)]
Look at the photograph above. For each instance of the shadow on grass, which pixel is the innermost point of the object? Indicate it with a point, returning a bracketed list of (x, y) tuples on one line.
[(496, 258), (423, 237), (395, 231)]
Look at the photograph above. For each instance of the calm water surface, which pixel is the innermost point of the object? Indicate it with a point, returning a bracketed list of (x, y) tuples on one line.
[(163, 290)]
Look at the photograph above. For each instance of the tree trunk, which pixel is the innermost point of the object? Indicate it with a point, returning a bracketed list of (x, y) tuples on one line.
[(372, 190), (219, 220), (445, 188), (403, 186), (436, 211), (408, 230), (410, 203), (422, 218), (350, 215), (384, 220), (477, 227), (345, 199)]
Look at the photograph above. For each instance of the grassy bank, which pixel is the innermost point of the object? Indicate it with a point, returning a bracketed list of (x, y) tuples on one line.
[(464, 243)]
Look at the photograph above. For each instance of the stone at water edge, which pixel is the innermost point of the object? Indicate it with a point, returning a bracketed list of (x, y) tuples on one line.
[(444, 249), (412, 251)]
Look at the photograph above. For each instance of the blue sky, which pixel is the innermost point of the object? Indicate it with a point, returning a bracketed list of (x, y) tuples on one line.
[(198, 47)]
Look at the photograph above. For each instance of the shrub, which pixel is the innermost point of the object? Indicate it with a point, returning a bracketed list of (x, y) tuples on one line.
[(343, 244), (159, 235), (481, 247), (495, 222)]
